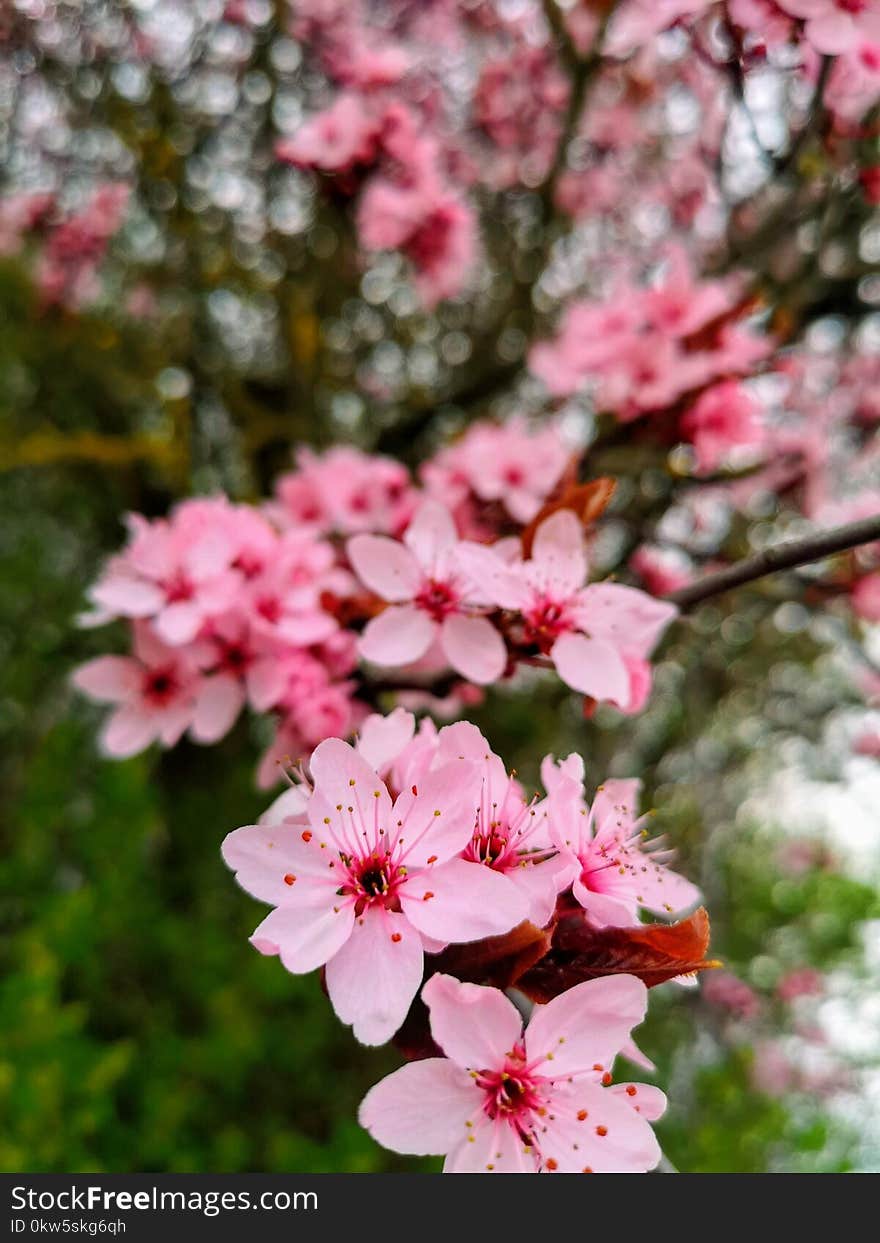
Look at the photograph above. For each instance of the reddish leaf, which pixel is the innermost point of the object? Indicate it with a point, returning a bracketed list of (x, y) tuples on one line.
[(653, 952), (587, 500)]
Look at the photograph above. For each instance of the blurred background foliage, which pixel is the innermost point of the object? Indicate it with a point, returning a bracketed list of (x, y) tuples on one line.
[(140, 1029)]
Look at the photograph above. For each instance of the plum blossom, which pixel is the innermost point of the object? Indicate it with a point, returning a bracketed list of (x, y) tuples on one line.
[(507, 463), (511, 835), (613, 871), (506, 1100), (370, 883), (345, 490), (597, 636), (154, 692), (724, 417), (430, 599), (836, 26)]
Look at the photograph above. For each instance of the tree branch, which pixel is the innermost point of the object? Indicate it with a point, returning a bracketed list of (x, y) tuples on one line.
[(785, 556)]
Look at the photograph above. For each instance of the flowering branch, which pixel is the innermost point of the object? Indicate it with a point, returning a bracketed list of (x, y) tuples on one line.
[(785, 556)]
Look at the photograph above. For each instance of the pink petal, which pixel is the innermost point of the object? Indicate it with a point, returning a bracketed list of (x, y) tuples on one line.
[(343, 779), (112, 679), (430, 534), (128, 731), (474, 648), (172, 722), (591, 667), (631, 1051), (398, 636), (179, 623), (491, 1148), (438, 821), (831, 34), (218, 703), (291, 805), (421, 1108), (127, 597), (587, 1024), (304, 937), (558, 553), (469, 902), (275, 864), (604, 909), (624, 616), (474, 1026), (266, 683), (384, 566), (610, 1139), (492, 579), (382, 738), (373, 979), (644, 1098), (540, 884), (615, 808), (462, 741), (663, 891)]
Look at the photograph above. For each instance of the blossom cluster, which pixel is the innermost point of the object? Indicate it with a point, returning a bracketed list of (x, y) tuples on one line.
[(386, 853), (278, 607)]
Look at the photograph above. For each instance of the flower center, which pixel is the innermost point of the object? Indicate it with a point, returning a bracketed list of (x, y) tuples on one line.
[(437, 598), (160, 686), (512, 1094), (371, 881), (545, 622), (852, 6), (178, 589)]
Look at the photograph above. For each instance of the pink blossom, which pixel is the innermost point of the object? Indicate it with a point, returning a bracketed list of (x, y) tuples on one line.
[(430, 599), (508, 463), (836, 26), (284, 600), (511, 835), (613, 871), (507, 1100), (865, 597), (177, 572), (723, 418), (803, 982), (155, 692), (345, 490), (336, 140), (662, 570), (635, 22), (369, 883), (763, 20), (589, 632), (728, 992)]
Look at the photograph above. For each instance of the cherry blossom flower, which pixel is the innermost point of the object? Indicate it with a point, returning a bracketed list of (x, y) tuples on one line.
[(511, 835), (335, 140), (370, 884), (613, 871), (836, 26), (345, 491), (155, 692), (177, 572), (725, 417), (430, 599), (506, 1100), (507, 463), (595, 635)]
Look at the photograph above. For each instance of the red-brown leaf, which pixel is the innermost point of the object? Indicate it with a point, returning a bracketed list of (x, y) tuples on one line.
[(587, 500), (653, 952)]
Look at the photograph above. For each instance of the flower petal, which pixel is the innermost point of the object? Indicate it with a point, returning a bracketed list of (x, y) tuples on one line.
[(385, 566), (491, 1148), (375, 976), (558, 554), (304, 937), (218, 703), (349, 792), (474, 1026), (422, 1108), (591, 667), (382, 738), (438, 815), (466, 902), (587, 1025), (644, 1098), (128, 731), (594, 1131), (399, 635), (430, 534), (473, 648), (112, 679), (276, 864)]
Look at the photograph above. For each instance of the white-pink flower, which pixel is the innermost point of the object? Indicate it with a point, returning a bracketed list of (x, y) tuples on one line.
[(612, 869), (835, 26), (155, 692), (597, 636), (430, 599), (510, 1101), (370, 884)]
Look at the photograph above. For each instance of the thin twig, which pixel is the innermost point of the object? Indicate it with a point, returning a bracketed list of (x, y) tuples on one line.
[(785, 556)]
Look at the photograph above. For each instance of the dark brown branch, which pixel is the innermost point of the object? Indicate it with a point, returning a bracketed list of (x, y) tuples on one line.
[(785, 556)]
